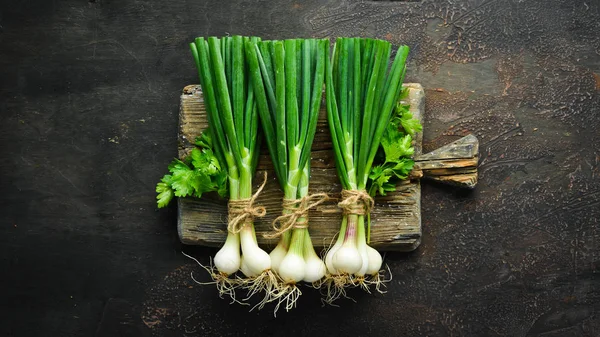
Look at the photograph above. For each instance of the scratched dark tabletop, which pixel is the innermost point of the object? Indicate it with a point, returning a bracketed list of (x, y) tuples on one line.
[(89, 95)]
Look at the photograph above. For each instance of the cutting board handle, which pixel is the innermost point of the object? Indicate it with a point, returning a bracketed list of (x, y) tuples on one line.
[(454, 163)]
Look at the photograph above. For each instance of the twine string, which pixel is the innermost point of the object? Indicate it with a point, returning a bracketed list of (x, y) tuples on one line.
[(242, 212), (295, 213), (356, 202)]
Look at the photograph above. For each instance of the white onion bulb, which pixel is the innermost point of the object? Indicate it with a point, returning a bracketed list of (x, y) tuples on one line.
[(257, 260), (347, 259), (375, 261), (277, 255), (292, 268), (315, 268), (227, 260)]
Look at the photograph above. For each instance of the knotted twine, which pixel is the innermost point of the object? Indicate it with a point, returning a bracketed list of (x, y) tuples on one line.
[(296, 213), (356, 202), (242, 212)]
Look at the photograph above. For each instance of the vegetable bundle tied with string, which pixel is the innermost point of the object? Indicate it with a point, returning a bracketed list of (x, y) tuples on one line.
[(288, 78), (281, 82), (233, 127), (361, 97)]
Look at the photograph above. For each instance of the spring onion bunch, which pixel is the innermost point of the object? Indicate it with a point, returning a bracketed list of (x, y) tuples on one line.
[(361, 97), (233, 125), (288, 78)]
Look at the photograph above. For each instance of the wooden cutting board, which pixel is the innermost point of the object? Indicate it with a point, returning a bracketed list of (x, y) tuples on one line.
[(395, 219)]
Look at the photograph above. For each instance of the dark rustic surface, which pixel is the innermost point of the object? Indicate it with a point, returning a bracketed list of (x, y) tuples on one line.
[(89, 92)]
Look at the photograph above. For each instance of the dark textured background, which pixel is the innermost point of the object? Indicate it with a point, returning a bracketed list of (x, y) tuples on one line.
[(89, 93)]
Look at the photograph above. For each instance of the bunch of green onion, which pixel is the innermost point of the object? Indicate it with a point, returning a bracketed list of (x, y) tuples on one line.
[(361, 96), (288, 90), (233, 125)]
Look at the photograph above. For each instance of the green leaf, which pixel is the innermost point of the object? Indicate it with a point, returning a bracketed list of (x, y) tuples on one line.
[(206, 175), (403, 167), (221, 181), (397, 148), (184, 183), (376, 171), (165, 192), (202, 184), (401, 109), (387, 187), (198, 160), (167, 179), (405, 145), (205, 161), (380, 180), (411, 125), (196, 174), (177, 165), (396, 145), (204, 140), (404, 93), (214, 161)]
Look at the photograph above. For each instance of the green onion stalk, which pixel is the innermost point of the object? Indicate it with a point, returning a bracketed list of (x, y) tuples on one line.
[(233, 125), (361, 96), (288, 78)]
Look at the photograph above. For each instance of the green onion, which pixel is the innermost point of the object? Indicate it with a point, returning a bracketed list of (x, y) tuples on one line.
[(232, 112), (288, 90), (361, 96)]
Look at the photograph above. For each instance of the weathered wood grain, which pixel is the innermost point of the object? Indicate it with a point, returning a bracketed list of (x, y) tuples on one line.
[(396, 218), (454, 163)]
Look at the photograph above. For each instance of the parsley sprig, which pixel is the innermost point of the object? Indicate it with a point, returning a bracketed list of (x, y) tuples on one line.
[(396, 144), (198, 173)]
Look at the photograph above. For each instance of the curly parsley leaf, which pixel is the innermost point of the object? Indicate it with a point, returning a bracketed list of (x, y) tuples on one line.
[(402, 168), (397, 147), (165, 192), (204, 140), (204, 184), (403, 118), (221, 180), (184, 179), (194, 175), (204, 160), (411, 125), (404, 93), (380, 177)]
